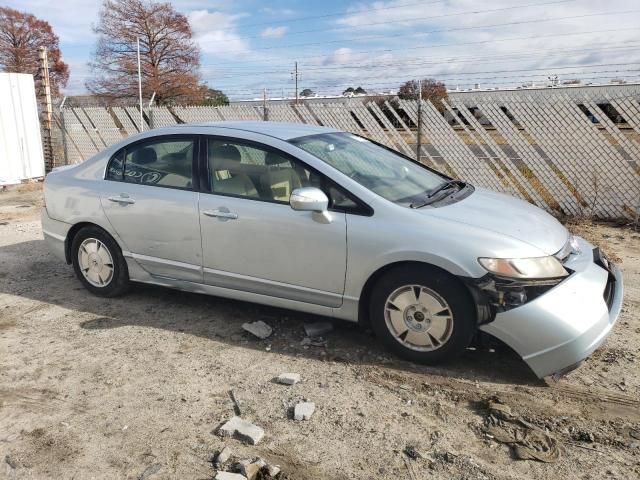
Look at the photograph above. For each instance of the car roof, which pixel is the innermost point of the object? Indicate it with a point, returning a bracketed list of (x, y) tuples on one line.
[(281, 130)]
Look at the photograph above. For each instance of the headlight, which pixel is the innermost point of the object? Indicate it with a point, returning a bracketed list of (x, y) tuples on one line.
[(533, 268)]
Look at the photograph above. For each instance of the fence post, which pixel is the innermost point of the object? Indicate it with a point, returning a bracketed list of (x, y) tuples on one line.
[(44, 97), (419, 134), (63, 132), (265, 111)]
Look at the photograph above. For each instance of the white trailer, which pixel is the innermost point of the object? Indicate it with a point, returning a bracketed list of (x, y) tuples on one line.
[(21, 156)]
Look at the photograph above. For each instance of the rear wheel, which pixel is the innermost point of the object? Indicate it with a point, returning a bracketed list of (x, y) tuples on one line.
[(98, 262), (423, 314)]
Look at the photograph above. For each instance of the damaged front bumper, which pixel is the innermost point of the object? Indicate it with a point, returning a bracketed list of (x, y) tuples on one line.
[(563, 326)]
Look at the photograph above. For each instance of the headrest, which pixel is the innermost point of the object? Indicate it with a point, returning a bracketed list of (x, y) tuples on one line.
[(225, 152), (144, 156), (272, 158)]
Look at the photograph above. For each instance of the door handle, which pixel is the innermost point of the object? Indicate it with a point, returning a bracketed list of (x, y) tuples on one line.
[(122, 200), (220, 214)]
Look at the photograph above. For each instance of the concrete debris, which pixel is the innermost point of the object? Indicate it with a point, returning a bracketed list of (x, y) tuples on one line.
[(229, 476), (317, 329), (223, 457), (303, 411), (288, 378), (251, 470), (242, 430), (259, 329), (273, 470)]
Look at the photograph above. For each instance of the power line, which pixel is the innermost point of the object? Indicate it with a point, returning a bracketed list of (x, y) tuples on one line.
[(449, 60), (471, 80), (415, 19), (464, 44), (447, 30), (417, 63)]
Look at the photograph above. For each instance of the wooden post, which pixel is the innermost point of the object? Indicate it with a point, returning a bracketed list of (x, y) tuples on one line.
[(46, 109)]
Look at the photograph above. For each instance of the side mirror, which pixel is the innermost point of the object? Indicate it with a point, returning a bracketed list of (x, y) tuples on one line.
[(309, 199)]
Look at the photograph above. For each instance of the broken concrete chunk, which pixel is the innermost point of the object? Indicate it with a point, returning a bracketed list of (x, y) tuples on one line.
[(273, 470), (242, 430), (316, 329), (223, 456), (229, 476), (304, 410), (288, 378), (259, 329), (251, 470)]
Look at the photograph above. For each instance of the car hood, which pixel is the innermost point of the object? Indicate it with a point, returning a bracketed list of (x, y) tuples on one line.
[(506, 215)]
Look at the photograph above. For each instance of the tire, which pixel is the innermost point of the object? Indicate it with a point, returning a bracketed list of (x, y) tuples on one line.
[(107, 274), (435, 326)]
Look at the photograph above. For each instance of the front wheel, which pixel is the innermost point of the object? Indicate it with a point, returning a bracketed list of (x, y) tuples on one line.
[(98, 262), (423, 314)]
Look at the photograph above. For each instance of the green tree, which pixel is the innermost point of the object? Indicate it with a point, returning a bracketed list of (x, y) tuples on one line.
[(307, 92), (215, 98), (360, 91)]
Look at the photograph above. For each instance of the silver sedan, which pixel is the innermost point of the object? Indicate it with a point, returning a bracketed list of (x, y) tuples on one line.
[(327, 222)]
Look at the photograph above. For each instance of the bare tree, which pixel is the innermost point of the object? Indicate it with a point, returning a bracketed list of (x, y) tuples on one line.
[(170, 59), (432, 90), (21, 35)]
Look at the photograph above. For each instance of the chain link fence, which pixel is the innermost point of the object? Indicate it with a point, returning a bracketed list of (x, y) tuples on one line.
[(573, 152)]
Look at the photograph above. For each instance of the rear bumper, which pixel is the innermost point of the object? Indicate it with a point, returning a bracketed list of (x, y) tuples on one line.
[(565, 325), (55, 234)]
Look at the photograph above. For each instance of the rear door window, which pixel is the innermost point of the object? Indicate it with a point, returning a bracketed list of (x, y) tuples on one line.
[(164, 162)]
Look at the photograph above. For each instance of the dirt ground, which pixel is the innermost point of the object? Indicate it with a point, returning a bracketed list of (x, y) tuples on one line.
[(136, 387)]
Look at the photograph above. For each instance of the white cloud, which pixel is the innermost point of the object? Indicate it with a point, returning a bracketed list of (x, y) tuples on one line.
[(278, 11), (216, 35), (274, 32)]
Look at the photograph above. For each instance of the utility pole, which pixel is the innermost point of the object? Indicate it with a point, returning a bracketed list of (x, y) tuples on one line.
[(46, 109), (140, 87), (265, 113), (295, 76), (419, 135)]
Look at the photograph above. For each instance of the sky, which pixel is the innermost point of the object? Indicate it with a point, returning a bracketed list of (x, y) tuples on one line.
[(248, 45)]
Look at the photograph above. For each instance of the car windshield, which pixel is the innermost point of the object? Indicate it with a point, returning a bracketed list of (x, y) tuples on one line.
[(382, 171)]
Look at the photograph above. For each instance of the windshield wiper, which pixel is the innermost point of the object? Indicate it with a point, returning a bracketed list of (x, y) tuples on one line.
[(440, 188)]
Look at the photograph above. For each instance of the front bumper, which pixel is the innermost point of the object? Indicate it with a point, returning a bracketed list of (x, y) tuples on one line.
[(565, 325)]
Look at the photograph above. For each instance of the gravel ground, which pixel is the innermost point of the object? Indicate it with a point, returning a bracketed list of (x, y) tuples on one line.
[(136, 387)]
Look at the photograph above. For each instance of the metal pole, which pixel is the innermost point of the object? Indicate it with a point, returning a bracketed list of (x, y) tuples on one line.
[(296, 82), (151, 120), (419, 135), (265, 114), (140, 87)]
